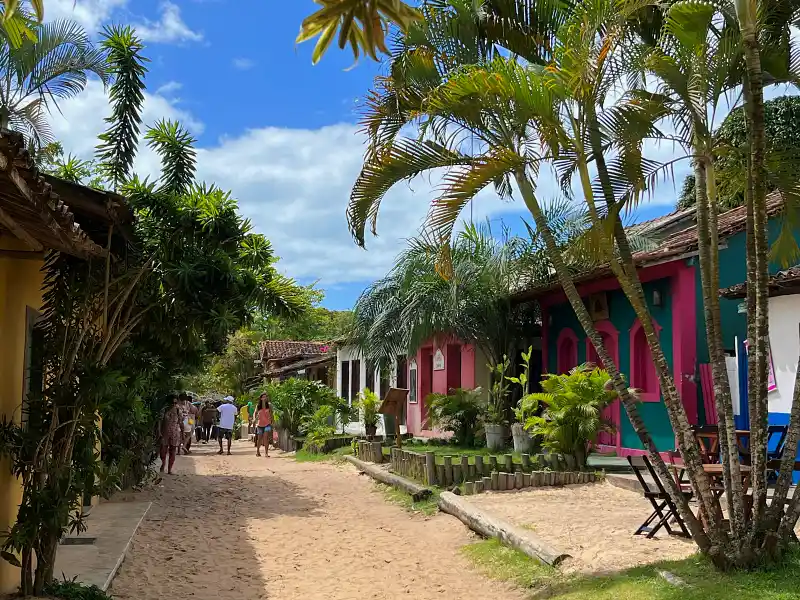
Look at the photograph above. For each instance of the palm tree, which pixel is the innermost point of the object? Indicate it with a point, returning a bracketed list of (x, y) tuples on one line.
[(362, 24), (40, 72)]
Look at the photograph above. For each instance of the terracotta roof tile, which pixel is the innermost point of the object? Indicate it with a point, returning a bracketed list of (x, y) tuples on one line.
[(283, 349), (781, 283)]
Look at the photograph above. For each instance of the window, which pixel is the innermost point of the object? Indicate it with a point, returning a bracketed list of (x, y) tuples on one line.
[(355, 377), (412, 378), (402, 372), (566, 351), (610, 337), (643, 371), (344, 374)]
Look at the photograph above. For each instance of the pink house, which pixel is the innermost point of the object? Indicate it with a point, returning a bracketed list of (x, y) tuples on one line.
[(439, 366)]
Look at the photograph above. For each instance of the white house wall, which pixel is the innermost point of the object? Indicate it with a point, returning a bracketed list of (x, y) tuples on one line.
[(784, 340)]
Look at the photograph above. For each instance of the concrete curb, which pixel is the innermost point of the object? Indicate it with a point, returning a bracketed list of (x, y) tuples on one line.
[(122, 556)]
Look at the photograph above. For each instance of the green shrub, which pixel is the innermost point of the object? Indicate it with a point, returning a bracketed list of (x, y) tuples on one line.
[(318, 428), (72, 590), (367, 405), (459, 411), (294, 400), (573, 406)]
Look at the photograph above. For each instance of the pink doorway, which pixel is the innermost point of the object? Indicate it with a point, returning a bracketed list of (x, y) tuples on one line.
[(611, 414)]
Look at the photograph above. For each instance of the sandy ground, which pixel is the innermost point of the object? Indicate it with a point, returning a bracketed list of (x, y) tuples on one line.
[(239, 527), (593, 523)]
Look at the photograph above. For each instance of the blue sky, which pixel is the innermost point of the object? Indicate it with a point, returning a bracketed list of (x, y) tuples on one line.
[(280, 133)]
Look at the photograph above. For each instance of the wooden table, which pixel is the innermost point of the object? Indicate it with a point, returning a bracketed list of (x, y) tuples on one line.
[(716, 474)]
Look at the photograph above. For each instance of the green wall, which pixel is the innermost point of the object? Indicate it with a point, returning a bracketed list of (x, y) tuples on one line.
[(733, 270), (622, 317)]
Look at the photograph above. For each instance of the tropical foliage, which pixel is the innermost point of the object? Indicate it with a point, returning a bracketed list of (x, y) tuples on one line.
[(361, 24), (116, 329), (318, 427), (45, 68), (782, 130), (584, 89), (367, 405), (294, 401), (460, 412), (567, 413)]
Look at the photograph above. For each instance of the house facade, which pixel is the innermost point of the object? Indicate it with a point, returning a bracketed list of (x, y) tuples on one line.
[(282, 359), (670, 276), (37, 214), (438, 366)]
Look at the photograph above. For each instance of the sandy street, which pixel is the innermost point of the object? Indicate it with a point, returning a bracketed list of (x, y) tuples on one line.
[(243, 528)]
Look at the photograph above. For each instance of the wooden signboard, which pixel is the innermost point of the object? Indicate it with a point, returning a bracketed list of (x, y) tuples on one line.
[(392, 405)]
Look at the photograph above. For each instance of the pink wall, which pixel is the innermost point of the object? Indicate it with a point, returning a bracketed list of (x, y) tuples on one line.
[(439, 380), (684, 341)]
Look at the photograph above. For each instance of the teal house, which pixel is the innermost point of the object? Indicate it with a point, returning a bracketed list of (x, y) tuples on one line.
[(671, 280)]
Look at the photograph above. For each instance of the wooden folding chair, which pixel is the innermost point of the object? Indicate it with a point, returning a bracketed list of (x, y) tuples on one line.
[(664, 508), (776, 439), (708, 440)]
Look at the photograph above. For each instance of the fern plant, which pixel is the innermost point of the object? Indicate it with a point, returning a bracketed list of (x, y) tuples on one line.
[(318, 428), (573, 404), (460, 411)]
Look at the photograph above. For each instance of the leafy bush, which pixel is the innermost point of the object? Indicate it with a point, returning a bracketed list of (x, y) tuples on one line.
[(498, 393), (573, 406), (367, 405), (72, 590), (294, 400), (459, 411), (318, 428)]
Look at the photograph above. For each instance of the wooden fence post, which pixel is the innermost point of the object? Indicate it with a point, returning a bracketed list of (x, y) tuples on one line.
[(464, 467), (430, 468), (448, 471), (509, 463), (526, 462), (479, 473)]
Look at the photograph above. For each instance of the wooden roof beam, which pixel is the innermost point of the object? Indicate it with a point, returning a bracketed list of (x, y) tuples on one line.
[(19, 232)]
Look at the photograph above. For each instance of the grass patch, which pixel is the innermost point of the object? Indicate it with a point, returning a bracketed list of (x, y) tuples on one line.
[(442, 451), (703, 581), (304, 455), (428, 506), (506, 564)]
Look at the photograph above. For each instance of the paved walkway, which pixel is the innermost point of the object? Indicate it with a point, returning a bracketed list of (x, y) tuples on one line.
[(94, 556), (245, 528)]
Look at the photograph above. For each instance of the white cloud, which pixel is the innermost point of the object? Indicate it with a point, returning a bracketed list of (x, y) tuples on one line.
[(89, 13), (243, 64), (169, 88), (169, 28)]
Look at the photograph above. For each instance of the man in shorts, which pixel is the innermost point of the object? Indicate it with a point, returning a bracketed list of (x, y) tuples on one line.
[(227, 418)]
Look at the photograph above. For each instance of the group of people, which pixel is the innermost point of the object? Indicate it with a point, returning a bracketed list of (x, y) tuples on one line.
[(183, 418)]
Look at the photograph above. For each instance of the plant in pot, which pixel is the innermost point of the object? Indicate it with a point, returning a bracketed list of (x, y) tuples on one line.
[(572, 405), (367, 406), (459, 411), (523, 441), (495, 414)]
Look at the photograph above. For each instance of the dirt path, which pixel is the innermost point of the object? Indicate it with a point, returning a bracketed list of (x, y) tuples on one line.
[(241, 528)]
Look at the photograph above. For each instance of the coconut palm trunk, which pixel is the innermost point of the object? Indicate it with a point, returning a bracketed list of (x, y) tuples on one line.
[(619, 383), (709, 268), (628, 278), (758, 266)]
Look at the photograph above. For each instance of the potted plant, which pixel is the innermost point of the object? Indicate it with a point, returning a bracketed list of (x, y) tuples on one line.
[(523, 441), (573, 405), (367, 405), (495, 415)]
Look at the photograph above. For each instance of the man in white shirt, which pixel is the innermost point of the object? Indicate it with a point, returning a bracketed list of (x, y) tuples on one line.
[(227, 418)]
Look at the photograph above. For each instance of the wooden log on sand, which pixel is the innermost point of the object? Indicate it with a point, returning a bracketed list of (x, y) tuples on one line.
[(487, 525), (495, 480), (417, 492), (518, 480)]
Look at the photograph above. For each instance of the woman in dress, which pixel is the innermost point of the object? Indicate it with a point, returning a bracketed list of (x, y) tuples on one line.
[(171, 434), (263, 424)]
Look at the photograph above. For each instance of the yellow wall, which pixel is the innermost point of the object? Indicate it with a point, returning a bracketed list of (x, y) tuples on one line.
[(20, 288)]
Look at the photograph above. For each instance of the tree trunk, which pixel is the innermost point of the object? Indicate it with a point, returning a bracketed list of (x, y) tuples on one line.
[(729, 449), (757, 287), (45, 562), (628, 278), (619, 383)]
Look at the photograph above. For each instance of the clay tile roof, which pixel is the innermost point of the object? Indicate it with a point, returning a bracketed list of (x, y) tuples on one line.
[(31, 209), (283, 349), (780, 284), (671, 248)]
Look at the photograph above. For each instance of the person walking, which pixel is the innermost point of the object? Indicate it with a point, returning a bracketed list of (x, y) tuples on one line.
[(186, 428), (227, 419), (171, 434), (208, 416), (263, 424), (193, 411)]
